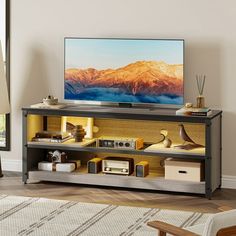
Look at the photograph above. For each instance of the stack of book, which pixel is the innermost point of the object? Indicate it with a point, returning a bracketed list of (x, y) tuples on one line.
[(53, 137), (193, 111)]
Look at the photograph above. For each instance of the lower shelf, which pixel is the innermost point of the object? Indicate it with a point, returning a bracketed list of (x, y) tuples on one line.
[(149, 183)]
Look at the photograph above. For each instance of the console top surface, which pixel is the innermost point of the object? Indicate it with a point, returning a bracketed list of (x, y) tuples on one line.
[(152, 113)]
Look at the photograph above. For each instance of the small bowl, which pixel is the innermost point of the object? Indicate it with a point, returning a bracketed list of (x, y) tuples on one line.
[(50, 101)]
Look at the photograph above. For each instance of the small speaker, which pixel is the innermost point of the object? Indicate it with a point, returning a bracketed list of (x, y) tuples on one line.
[(142, 169), (95, 165)]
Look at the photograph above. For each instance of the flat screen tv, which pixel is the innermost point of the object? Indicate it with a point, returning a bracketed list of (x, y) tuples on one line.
[(133, 71)]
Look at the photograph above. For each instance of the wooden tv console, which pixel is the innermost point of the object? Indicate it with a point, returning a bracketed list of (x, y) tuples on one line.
[(131, 122)]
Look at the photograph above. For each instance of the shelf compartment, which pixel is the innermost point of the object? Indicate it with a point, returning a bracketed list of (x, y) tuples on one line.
[(162, 152), (148, 183)]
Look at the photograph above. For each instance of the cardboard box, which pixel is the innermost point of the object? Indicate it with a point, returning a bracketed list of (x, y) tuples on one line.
[(184, 170)]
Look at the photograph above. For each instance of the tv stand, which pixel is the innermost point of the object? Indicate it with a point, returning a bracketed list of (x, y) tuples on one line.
[(144, 123)]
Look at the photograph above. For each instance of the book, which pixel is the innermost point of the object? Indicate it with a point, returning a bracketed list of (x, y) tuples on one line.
[(52, 134), (70, 142), (51, 140), (193, 111)]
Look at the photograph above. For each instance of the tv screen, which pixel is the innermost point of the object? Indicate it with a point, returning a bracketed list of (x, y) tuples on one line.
[(144, 71)]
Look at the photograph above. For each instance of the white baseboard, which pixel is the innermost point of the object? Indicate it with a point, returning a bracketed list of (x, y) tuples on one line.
[(11, 165), (229, 181)]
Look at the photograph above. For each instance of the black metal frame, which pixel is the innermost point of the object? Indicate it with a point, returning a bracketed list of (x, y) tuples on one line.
[(212, 162), (8, 131), (208, 158)]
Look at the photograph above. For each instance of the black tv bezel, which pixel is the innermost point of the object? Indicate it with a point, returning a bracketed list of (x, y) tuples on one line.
[(110, 103)]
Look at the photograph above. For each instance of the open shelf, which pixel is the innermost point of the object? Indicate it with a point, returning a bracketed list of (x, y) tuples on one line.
[(151, 182), (198, 153)]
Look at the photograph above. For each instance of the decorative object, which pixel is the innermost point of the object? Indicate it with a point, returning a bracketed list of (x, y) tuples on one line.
[(188, 105), (200, 85), (61, 217), (69, 127), (142, 169), (166, 141), (57, 157), (185, 137), (95, 165), (50, 100), (90, 128), (79, 133), (118, 165), (129, 143)]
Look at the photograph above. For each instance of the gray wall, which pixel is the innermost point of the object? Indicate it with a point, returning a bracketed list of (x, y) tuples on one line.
[(38, 29)]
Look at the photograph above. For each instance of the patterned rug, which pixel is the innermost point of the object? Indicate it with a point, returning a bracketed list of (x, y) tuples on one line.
[(40, 216)]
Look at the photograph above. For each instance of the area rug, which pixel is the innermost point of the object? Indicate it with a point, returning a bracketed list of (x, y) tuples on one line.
[(45, 217)]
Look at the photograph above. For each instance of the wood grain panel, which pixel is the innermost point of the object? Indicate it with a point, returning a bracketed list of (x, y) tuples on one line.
[(34, 124), (149, 130), (54, 123)]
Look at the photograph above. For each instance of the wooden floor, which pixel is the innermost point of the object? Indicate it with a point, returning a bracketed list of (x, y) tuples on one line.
[(224, 199)]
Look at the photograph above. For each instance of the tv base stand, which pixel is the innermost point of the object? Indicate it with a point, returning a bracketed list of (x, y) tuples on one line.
[(125, 105)]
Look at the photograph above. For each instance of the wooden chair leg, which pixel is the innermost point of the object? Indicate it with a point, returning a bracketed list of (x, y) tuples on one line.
[(162, 233), (164, 228), (229, 231)]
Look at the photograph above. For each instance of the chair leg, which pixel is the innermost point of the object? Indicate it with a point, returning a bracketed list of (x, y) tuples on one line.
[(162, 233)]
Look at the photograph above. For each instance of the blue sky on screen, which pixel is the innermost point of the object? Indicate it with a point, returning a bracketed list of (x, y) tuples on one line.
[(112, 53)]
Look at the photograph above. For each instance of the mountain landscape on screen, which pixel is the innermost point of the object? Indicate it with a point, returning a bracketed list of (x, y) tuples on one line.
[(138, 82)]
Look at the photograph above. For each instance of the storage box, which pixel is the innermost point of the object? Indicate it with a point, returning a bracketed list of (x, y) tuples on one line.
[(43, 165), (65, 167), (184, 170)]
